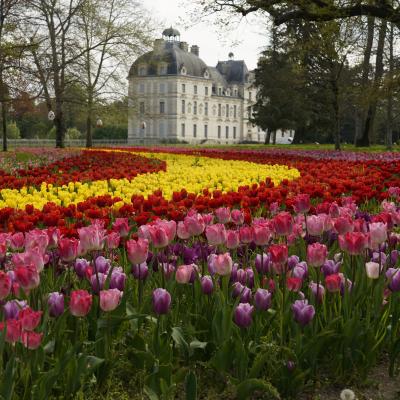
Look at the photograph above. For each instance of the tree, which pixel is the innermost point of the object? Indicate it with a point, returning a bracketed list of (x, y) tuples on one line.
[(121, 28)]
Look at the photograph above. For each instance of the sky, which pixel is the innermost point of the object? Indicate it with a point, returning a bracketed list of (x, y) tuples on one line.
[(245, 39)]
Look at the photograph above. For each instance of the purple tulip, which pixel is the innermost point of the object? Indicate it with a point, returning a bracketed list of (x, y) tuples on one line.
[(81, 265), (102, 265), (245, 296), (234, 277), (207, 284), (241, 276), (12, 308), (394, 256), (168, 270), (381, 255), (393, 274), (249, 277), (330, 267), (118, 279), (237, 289), (262, 299), (317, 290), (290, 365), (243, 315), (140, 271), (97, 282), (55, 303), (161, 301), (293, 261), (303, 312), (262, 263), (300, 270), (210, 263)]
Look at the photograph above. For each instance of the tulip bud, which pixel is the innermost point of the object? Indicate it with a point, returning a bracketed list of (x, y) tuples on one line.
[(161, 301), (243, 315), (207, 284), (262, 299), (55, 303)]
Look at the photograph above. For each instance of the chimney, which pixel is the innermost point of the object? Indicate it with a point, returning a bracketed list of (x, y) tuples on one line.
[(184, 46), (158, 44), (195, 50)]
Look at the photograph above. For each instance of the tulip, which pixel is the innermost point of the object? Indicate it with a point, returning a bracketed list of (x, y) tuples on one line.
[(12, 308), (207, 284), (169, 227), (97, 281), (112, 240), (161, 301), (330, 267), (232, 239), (372, 269), (294, 284), (81, 266), (245, 295), (300, 270), (91, 238), (31, 340), (262, 299), (68, 249), (278, 253), (243, 315), (293, 261), (237, 289), (5, 285), (343, 225), (17, 241), (378, 233), (36, 239), (140, 271), (249, 277), (223, 264), (28, 277), (262, 263), (168, 269), (194, 224), (110, 299), (183, 273), (208, 218), (315, 225), (80, 303), (118, 279), (261, 235), (158, 236), (29, 319), (55, 303), (241, 276), (102, 264), (54, 236), (182, 231), (237, 217), (121, 226), (303, 312), (216, 234), (301, 203), (137, 250), (334, 210), (223, 215), (13, 328), (318, 291), (316, 254), (283, 224), (332, 283), (353, 242), (393, 274), (245, 234)]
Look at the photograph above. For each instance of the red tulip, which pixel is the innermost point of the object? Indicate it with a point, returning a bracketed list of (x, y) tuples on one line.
[(80, 303)]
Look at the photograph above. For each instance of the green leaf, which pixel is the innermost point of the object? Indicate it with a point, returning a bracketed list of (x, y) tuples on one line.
[(245, 389), (191, 386), (195, 344), (7, 380), (181, 344)]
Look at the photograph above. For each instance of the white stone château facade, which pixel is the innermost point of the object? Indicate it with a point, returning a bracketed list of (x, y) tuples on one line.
[(174, 95)]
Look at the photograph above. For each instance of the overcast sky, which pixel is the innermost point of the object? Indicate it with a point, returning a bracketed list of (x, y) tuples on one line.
[(245, 40)]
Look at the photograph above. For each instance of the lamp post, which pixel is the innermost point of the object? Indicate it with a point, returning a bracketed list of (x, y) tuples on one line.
[(142, 128)]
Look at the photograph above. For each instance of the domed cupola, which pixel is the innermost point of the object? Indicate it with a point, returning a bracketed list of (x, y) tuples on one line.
[(171, 35)]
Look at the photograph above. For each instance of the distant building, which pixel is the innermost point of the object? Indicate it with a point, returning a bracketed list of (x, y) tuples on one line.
[(174, 95)]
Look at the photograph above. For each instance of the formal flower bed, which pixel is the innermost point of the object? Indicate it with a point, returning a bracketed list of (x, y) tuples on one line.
[(209, 273)]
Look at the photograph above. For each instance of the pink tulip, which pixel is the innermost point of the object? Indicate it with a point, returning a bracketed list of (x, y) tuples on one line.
[(316, 254), (36, 239), (54, 236), (261, 235), (137, 250), (343, 225), (216, 234), (278, 253), (183, 273), (80, 303), (169, 228), (245, 234), (315, 225), (31, 340), (92, 238), (110, 299), (208, 218), (194, 224), (17, 241), (13, 328), (232, 239), (68, 248), (378, 233), (333, 283), (112, 240), (27, 277), (223, 215), (5, 285), (283, 223), (223, 264), (29, 319), (301, 203), (158, 236), (182, 231), (237, 217), (353, 242), (121, 226)]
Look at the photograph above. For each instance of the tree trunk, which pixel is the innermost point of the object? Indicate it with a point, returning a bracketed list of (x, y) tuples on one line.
[(389, 125), (268, 137), (360, 114), (364, 141), (336, 128), (274, 137), (89, 121), (60, 125), (4, 124)]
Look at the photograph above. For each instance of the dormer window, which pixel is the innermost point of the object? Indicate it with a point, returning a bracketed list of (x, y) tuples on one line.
[(206, 74), (162, 69), (142, 70), (228, 92), (219, 91), (183, 70)]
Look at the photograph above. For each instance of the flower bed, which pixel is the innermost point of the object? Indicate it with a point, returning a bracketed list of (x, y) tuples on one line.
[(217, 273)]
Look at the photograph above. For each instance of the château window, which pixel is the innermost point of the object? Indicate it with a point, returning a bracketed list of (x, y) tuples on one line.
[(162, 107), (183, 130), (141, 107), (142, 71), (235, 111), (227, 132), (195, 108), (183, 106), (195, 89), (234, 132), (183, 88), (227, 111), (219, 132), (194, 130), (141, 88), (206, 90), (219, 91), (206, 109), (205, 131), (219, 110)]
